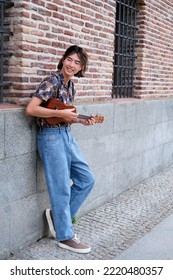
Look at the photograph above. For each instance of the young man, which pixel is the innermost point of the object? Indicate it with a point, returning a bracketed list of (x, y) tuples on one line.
[(59, 152)]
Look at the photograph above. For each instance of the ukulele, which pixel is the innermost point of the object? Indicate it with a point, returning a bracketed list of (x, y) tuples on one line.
[(56, 104)]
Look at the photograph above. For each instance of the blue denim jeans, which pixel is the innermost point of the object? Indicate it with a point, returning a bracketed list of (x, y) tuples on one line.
[(62, 161)]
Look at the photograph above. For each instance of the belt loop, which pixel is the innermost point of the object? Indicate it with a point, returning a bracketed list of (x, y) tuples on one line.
[(68, 127)]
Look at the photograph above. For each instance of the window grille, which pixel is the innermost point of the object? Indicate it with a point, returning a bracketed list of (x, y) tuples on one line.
[(124, 58), (3, 32)]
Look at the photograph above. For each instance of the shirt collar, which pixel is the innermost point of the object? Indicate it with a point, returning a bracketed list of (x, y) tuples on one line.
[(61, 76)]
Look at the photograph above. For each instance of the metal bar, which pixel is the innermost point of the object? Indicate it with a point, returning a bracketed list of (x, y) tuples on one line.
[(134, 19), (5, 31), (7, 3), (130, 46), (4, 84), (6, 53), (3, 5), (119, 50), (123, 51), (1, 48), (124, 48)]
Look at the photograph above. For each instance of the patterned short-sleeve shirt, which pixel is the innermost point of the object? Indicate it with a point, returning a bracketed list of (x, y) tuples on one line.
[(54, 86)]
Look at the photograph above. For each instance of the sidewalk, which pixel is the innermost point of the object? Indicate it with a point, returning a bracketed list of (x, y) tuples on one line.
[(138, 224), (156, 245)]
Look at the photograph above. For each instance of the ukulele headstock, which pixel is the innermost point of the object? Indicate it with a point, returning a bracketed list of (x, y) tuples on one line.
[(99, 118)]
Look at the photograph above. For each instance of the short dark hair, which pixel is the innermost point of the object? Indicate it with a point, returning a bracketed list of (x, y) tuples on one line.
[(82, 56)]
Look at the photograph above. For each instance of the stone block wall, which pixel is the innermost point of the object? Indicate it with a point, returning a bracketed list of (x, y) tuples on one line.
[(134, 142)]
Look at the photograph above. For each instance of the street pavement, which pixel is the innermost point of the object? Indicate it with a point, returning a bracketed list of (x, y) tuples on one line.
[(137, 224), (156, 245)]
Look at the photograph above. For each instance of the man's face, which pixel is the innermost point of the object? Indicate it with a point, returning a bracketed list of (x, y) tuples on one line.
[(71, 65)]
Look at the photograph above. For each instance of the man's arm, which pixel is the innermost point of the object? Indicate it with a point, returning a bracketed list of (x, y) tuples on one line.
[(34, 109)]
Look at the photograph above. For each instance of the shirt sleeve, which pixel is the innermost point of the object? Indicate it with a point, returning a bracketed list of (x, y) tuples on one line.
[(46, 89)]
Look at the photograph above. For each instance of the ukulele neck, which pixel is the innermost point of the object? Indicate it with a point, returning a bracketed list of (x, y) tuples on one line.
[(84, 117)]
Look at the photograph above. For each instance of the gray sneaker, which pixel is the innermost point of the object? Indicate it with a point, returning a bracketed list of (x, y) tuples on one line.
[(75, 245), (49, 218)]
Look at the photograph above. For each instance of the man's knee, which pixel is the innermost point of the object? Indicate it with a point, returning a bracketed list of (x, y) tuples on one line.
[(91, 180)]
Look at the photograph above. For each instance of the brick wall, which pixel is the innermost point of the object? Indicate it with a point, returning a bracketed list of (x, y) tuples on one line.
[(154, 65), (44, 29)]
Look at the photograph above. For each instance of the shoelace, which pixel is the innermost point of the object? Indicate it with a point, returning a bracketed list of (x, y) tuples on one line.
[(76, 239)]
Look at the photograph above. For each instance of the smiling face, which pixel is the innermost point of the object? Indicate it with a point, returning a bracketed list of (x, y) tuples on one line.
[(71, 66), (77, 60)]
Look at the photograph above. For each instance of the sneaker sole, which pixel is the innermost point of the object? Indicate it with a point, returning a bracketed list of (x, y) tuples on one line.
[(81, 251), (50, 223)]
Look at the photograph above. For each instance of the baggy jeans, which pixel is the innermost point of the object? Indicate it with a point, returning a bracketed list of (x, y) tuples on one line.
[(62, 161)]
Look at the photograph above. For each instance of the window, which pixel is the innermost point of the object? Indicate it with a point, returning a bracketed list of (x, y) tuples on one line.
[(124, 58), (3, 32)]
